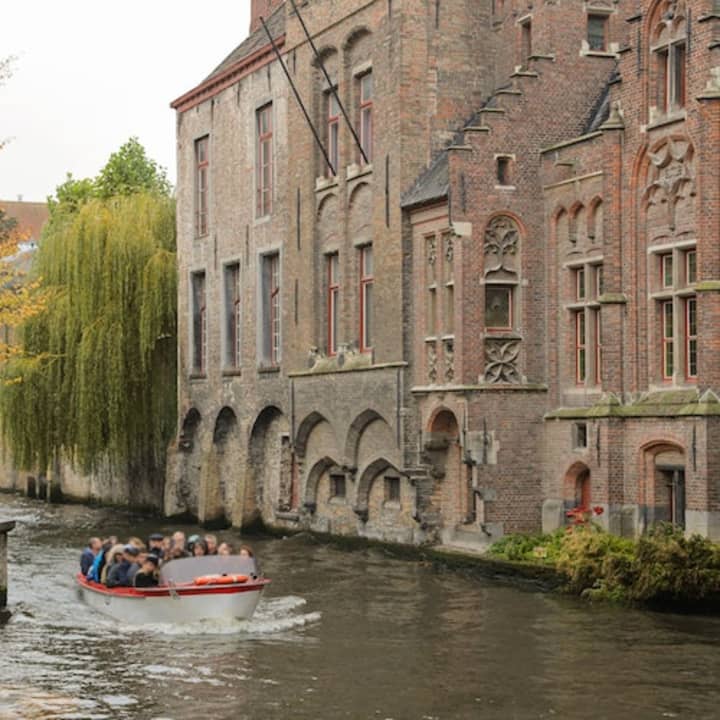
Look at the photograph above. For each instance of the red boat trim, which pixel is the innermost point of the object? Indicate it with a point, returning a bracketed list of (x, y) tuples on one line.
[(165, 591)]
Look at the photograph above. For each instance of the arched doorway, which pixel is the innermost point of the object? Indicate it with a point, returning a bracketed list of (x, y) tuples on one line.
[(442, 449), (578, 487), (664, 484)]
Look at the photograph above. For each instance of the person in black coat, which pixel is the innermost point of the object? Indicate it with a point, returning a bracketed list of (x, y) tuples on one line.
[(146, 576)]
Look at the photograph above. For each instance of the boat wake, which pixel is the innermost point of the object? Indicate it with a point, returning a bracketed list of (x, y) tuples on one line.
[(272, 617)]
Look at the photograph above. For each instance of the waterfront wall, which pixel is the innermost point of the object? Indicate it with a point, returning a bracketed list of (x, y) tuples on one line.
[(5, 527)]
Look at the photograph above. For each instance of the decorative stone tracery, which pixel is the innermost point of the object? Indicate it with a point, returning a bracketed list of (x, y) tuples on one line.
[(501, 246), (501, 361)]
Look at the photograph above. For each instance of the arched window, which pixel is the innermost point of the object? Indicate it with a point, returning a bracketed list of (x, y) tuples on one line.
[(668, 46)]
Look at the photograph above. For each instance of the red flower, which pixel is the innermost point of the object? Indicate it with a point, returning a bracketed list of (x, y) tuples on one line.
[(598, 510)]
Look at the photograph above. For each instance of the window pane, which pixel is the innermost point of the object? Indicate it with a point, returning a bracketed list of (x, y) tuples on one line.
[(497, 307), (678, 70), (667, 270), (580, 283), (367, 315), (366, 87), (691, 267), (596, 31)]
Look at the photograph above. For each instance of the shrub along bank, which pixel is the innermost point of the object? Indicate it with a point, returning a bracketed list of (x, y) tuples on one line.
[(661, 568)]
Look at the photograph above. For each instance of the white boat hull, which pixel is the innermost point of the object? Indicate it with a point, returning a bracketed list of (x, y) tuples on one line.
[(174, 605)]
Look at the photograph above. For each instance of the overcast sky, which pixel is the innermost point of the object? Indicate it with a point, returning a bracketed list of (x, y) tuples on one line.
[(90, 74)]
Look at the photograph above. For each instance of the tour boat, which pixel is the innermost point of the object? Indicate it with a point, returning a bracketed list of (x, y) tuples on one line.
[(197, 588)]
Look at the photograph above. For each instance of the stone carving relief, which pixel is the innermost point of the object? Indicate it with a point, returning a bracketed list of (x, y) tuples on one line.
[(449, 353), (432, 360), (501, 246), (501, 361), (431, 250), (671, 185), (449, 248)]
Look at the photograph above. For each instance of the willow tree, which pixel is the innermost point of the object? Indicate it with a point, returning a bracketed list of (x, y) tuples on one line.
[(96, 385)]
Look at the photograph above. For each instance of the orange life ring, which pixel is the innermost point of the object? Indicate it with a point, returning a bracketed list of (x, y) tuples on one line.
[(220, 579)]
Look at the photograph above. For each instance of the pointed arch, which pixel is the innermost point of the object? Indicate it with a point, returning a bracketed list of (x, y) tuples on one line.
[(368, 477), (304, 430), (356, 429), (316, 472)]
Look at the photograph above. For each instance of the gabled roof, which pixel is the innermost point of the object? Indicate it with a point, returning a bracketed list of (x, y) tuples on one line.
[(30, 216)]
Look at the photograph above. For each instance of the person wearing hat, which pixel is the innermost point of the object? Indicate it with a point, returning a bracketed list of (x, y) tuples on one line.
[(146, 576), (118, 574), (155, 545)]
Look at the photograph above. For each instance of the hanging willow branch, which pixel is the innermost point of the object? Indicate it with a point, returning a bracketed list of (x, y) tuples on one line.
[(102, 384)]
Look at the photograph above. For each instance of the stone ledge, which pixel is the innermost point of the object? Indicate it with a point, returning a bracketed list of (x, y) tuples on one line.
[(6, 525)]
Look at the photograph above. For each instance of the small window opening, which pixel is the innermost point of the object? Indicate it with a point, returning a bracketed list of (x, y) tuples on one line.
[(503, 170), (337, 486), (580, 435), (597, 32)]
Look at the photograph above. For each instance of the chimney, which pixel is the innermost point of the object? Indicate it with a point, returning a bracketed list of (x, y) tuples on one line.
[(262, 8)]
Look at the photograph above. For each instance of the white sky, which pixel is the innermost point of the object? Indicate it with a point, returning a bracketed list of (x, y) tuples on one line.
[(91, 74)]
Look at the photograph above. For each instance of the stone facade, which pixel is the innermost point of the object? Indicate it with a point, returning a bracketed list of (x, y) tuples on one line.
[(454, 332)]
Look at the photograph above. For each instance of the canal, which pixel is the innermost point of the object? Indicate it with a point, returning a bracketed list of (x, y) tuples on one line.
[(338, 635)]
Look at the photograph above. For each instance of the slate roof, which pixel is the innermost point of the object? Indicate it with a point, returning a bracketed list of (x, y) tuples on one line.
[(432, 184), (255, 41)]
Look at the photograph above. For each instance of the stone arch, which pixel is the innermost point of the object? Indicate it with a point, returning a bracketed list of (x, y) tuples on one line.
[(304, 430), (181, 496), (188, 432), (360, 214), (665, 17), (356, 40), (578, 486), (661, 489), (595, 220), (561, 227), (269, 483), (318, 469), (368, 477), (327, 214), (356, 429), (219, 467), (577, 223)]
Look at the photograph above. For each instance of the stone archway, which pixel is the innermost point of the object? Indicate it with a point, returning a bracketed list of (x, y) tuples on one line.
[(442, 449), (268, 485), (662, 492), (184, 467), (577, 487)]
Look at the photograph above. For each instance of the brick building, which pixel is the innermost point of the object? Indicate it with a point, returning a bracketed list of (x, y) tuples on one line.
[(399, 335)]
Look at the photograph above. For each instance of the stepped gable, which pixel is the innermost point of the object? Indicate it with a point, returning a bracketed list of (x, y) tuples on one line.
[(432, 184), (255, 41), (601, 111)]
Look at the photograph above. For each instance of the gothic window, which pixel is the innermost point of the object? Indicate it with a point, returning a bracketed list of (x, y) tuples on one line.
[(264, 180), (586, 287), (202, 172), (669, 58), (199, 323), (233, 316)]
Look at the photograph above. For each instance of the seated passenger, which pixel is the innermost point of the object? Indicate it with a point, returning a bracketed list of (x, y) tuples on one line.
[(177, 548), (225, 549), (87, 558), (199, 548), (246, 551), (118, 574), (146, 576), (112, 557), (135, 566), (155, 545), (212, 544)]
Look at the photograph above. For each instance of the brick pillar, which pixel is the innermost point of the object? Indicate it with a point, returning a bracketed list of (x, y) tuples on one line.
[(5, 528), (262, 9)]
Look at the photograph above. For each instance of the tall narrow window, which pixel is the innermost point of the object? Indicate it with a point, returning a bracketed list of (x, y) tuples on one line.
[(580, 289), (525, 43), (580, 348), (264, 160), (233, 316), (599, 281), (333, 133), (333, 298), (366, 292), (677, 96), (199, 323), (202, 168), (670, 73), (666, 270), (366, 114), (690, 267), (598, 347), (668, 355), (597, 32), (503, 170), (271, 308), (691, 338)]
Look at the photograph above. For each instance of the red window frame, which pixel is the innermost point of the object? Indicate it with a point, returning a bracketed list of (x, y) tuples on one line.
[(333, 298), (366, 284), (580, 348), (202, 169), (691, 338), (264, 160), (333, 133), (366, 115), (274, 305), (668, 355)]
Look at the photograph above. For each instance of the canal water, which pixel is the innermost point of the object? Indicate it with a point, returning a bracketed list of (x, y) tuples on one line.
[(338, 635)]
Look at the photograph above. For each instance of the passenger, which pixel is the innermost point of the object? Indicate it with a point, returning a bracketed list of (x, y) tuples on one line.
[(190, 547), (166, 545), (113, 556), (178, 543), (246, 551), (94, 573), (199, 548), (87, 558), (135, 566), (138, 543), (225, 549), (155, 545), (118, 574), (212, 544), (146, 576), (176, 553)]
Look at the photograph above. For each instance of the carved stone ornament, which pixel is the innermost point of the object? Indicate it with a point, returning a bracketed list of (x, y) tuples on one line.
[(432, 359), (431, 251), (449, 248), (671, 177), (501, 245), (449, 360), (501, 359)]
